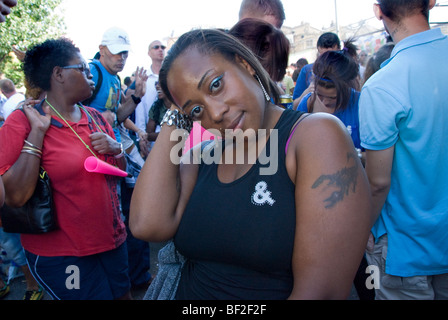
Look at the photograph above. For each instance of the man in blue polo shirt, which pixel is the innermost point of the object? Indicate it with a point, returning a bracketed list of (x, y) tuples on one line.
[(328, 41), (403, 114)]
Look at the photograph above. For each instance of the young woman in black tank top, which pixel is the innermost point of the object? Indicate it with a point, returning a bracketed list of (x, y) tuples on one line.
[(287, 217)]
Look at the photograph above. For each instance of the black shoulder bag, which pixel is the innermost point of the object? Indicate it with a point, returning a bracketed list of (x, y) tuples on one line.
[(37, 215)]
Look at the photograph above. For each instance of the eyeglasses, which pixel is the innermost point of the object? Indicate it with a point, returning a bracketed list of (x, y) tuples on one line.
[(157, 47), (84, 68)]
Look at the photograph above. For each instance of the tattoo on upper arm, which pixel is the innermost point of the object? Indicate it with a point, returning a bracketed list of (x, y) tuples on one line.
[(344, 180)]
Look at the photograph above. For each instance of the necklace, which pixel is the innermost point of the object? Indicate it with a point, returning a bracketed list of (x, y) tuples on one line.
[(62, 118)]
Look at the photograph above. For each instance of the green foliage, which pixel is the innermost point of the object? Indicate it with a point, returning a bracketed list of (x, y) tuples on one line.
[(30, 22)]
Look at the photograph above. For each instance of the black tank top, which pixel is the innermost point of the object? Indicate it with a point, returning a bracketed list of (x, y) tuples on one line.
[(238, 237)]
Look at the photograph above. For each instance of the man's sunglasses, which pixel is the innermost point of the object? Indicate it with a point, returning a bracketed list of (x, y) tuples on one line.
[(157, 47)]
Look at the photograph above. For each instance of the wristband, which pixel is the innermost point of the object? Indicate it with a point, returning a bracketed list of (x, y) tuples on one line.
[(137, 100)]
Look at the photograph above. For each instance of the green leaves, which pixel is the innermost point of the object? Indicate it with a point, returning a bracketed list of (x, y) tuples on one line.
[(30, 22)]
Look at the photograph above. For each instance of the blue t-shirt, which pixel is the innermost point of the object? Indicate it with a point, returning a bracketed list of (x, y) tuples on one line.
[(304, 80), (108, 97), (405, 105), (348, 116)]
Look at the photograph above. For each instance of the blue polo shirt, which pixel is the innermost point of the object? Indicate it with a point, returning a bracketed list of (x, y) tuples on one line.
[(304, 80), (405, 104)]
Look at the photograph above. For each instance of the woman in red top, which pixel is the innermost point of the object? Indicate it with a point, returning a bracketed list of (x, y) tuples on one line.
[(2, 192), (86, 257)]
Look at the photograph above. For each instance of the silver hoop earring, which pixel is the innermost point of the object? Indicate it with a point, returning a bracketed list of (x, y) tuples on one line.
[(268, 98)]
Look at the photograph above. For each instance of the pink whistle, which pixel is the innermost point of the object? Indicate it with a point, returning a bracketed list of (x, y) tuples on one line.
[(93, 164)]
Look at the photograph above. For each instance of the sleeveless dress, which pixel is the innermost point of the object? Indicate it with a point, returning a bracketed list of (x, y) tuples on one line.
[(238, 237)]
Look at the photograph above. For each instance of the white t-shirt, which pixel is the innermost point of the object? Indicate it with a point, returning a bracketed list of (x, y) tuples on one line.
[(142, 110), (12, 103)]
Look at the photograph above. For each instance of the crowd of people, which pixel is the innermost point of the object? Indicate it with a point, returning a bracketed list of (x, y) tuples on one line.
[(272, 203)]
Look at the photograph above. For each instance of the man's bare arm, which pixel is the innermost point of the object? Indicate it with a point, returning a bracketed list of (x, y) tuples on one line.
[(125, 109)]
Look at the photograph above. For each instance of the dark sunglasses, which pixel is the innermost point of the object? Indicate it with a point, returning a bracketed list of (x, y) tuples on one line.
[(157, 47), (84, 68)]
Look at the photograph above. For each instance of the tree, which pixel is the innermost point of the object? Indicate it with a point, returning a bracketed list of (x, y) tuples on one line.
[(30, 22)]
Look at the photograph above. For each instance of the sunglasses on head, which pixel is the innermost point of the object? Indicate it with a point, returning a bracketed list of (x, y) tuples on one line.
[(157, 47)]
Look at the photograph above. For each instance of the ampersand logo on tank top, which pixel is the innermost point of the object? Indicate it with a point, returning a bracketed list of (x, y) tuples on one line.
[(262, 195)]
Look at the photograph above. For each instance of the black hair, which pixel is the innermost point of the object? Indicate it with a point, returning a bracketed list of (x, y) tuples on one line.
[(337, 69), (214, 41), (41, 59), (398, 9), (127, 81), (374, 63), (299, 65), (329, 40), (351, 48)]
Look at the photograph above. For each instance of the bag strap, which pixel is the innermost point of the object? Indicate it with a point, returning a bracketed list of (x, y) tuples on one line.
[(88, 101), (73, 130), (294, 130)]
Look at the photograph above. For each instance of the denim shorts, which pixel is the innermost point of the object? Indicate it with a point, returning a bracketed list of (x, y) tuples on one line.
[(10, 242), (102, 276)]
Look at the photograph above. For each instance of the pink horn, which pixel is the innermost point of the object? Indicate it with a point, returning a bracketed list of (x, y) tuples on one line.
[(93, 164)]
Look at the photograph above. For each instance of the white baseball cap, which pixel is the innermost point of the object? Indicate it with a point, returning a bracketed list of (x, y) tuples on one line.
[(116, 40)]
